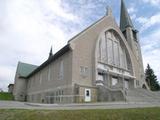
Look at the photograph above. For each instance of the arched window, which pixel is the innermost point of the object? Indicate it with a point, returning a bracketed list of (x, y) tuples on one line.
[(112, 51)]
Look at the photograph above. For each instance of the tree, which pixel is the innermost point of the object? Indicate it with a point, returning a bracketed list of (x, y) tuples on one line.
[(151, 79)]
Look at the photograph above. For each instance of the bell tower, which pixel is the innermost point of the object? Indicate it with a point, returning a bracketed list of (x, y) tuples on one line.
[(131, 35), (129, 31)]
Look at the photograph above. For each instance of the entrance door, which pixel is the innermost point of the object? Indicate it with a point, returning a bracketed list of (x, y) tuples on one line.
[(87, 95), (126, 84)]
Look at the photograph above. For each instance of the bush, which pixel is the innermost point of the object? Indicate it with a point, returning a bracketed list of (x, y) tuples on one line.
[(6, 96)]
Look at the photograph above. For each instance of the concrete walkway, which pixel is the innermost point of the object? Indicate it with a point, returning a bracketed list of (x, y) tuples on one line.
[(107, 105)]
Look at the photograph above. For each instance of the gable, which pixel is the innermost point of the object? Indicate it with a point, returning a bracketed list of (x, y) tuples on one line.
[(94, 30)]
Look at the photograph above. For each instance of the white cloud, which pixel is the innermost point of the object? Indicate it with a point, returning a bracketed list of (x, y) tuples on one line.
[(132, 10), (133, 16), (55, 6), (28, 30), (142, 20), (151, 50), (153, 2), (149, 22)]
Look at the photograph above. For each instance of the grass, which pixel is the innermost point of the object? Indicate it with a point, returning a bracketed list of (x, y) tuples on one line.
[(119, 114), (6, 96)]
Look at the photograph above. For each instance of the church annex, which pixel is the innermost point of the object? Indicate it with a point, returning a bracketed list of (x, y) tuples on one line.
[(99, 64)]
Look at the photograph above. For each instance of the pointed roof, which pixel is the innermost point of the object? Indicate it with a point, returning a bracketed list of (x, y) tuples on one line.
[(125, 19)]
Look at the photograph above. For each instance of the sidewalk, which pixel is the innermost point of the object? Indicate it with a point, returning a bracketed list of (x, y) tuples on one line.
[(107, 105)]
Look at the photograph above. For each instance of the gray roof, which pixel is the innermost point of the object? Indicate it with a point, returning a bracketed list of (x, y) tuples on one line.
[(52, 58), (125, 19), (24, 69)]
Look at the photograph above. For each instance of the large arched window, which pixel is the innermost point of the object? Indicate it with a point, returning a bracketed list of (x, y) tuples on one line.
[(112, 51)]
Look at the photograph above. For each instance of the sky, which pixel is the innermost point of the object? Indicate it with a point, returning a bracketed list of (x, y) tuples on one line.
[(28, 29)]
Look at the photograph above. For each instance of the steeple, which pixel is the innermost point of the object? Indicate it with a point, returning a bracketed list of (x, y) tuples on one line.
[(50, 53), (125, 20)]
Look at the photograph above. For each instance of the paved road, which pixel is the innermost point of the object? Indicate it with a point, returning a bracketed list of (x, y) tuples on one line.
[(112, 105)]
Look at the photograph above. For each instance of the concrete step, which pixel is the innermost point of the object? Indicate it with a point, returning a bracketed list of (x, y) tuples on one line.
[(142, 95), (149, 93)]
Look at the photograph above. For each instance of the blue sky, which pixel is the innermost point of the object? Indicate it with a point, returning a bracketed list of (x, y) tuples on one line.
[(28, 28)]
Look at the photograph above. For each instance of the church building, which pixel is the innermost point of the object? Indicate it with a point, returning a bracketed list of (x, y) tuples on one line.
[(99, 64)]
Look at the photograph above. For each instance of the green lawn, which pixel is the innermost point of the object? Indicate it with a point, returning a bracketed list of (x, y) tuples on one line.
[(6, 96), (119, 114)]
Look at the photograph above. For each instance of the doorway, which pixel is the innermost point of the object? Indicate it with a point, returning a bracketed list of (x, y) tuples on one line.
[(87, 95), (126, 84)]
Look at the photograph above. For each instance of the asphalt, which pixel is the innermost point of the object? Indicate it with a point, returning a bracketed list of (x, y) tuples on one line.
[(107, 105)]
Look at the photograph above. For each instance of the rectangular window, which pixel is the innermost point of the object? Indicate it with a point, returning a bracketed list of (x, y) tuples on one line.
[(81, 70), (29, 83), (33, 82), (125, 60), (104, 50), (110, 52), (61, 70), (100, 50), (116, 56), (49, 73), (122, 58), (84, 71), (40, 78)]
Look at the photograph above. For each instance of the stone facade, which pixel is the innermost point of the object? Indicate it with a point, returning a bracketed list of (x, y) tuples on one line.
[(99, 64), (19, 91)]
